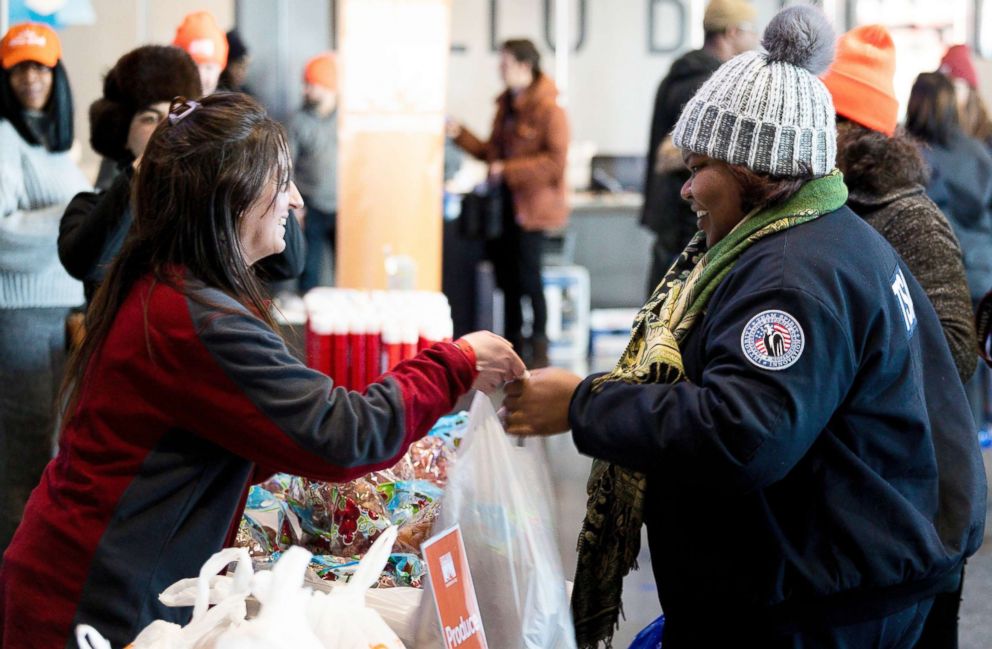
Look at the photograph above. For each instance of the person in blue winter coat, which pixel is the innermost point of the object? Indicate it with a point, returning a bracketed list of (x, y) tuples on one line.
[(787, 419)]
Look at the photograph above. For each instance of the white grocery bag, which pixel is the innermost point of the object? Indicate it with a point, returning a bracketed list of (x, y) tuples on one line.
[(207, 624), (342, 619), (89, 638), (282, 621), (498, 496)]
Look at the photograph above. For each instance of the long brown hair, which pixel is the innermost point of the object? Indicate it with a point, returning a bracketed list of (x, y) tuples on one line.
[(974, 117), (932, 112), (204, 166)]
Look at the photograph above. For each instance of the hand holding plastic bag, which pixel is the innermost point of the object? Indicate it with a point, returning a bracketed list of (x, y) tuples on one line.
[(496, 361), (341, 618)]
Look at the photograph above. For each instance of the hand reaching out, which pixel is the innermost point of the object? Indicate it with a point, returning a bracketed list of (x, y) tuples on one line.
[(496, 361), (538, 404)]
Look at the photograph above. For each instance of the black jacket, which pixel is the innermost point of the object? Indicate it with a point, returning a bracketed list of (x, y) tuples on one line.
[(844, 484), (664, 212), (95, 224)]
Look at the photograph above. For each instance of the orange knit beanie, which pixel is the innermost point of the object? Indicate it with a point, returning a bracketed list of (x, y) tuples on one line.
[(322, 70), (860, 78)]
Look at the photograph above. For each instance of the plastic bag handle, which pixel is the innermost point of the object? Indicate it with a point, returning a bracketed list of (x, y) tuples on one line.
[(213, 565), (371, 565), (89, 638)]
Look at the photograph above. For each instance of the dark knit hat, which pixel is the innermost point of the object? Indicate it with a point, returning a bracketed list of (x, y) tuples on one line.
[(236, 47), (142, 77)]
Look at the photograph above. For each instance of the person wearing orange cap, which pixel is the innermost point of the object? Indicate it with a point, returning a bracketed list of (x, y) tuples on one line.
[(313, 142), (200, 36), (886, 177), (37, 179)]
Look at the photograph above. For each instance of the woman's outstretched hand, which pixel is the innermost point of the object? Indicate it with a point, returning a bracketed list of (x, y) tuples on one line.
[(496, 361)]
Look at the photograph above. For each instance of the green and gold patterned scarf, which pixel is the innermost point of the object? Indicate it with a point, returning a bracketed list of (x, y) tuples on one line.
[(611, 533)]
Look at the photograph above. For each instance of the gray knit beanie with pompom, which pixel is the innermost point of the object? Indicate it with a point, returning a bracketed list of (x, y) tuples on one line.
[(768, 110)]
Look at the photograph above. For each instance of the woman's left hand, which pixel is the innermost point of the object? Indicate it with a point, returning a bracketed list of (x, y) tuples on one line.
[(496, 168), (538, 404)]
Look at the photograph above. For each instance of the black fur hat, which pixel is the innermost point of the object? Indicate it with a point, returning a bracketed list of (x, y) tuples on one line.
[(142, 77)]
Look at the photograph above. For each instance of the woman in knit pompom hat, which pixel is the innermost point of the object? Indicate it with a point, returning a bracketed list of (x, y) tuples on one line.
[(769, 421)]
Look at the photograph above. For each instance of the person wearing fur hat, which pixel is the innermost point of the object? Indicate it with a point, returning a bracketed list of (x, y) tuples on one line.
[(37, 179), (787, 419), (137, 93)]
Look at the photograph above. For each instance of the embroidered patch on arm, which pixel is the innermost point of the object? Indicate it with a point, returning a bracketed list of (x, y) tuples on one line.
[(773, 340), (905, 300)]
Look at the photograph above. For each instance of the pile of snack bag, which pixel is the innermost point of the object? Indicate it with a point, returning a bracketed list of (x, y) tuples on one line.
[(339, 522)]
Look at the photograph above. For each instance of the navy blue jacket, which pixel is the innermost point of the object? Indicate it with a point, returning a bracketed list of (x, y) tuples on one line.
[(845, 483)]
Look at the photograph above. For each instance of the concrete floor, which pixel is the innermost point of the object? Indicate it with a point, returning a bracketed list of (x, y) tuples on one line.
[(569, 471)]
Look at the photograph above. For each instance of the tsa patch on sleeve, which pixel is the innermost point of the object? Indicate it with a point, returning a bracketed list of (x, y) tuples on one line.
[(901, 290), (773, 340)]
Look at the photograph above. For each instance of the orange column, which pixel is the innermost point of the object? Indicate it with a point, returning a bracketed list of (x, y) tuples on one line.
[(393, 64)]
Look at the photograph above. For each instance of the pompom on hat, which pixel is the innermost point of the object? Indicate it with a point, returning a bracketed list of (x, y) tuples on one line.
[(860, 78), (322, 70), (768, 110), (957, 64), (30, 42), (142, 77), (202, 39)]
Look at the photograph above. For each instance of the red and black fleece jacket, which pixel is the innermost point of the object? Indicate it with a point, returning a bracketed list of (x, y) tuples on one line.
[(190, 398)]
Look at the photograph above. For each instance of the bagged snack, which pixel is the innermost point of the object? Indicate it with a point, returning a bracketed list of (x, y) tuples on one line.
[(339, 519)]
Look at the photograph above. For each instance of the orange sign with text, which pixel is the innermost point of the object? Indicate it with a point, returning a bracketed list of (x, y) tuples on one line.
[(454, 594)]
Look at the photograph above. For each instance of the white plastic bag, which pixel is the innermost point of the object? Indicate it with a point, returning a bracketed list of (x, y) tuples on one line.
[(397, 606), (341, 618), (497, 494), (89, 638), (207, 624), (282, 621)]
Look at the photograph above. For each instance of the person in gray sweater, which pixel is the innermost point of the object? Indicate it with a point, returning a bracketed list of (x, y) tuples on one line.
[(313, 142), (37, 179)]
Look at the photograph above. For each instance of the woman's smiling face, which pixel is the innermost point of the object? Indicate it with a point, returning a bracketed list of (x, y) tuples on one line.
[(714, 194)]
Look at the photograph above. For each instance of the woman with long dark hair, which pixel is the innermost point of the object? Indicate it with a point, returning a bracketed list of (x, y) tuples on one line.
[(183, 394), (37, 179)]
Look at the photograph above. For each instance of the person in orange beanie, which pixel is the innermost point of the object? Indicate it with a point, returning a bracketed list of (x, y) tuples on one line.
[(200, 36), (886, 177), (313, 140)]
